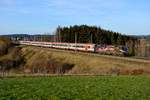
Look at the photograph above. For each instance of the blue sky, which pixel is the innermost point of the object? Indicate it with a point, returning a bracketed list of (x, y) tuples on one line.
[(43, 16)]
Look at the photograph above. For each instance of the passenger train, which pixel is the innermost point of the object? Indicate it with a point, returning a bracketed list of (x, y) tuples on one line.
[(107, 49)]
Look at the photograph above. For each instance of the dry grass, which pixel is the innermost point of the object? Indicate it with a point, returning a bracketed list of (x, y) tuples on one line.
[(91, 63)]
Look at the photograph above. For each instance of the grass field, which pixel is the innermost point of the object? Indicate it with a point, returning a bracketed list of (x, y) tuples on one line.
[(76, 88)]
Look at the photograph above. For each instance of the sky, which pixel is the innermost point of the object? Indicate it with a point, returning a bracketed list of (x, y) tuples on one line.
[(131, 17)]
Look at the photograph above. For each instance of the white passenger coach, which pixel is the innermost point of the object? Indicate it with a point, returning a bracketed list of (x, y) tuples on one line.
[(68, 46)]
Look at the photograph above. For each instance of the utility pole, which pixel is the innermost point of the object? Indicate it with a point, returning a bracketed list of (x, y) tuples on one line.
[(41, 38), (91, 38), (54, 36), (34, 38), (59, 33), (75, 41)]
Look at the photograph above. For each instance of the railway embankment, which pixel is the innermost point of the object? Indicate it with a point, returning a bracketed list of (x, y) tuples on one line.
[(54, 61)]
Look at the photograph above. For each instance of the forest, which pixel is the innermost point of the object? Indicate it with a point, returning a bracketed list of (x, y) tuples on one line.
[(91, 34)]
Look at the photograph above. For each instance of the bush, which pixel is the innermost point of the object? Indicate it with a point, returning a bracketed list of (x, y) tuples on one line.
[(4, 45), (46, 64)]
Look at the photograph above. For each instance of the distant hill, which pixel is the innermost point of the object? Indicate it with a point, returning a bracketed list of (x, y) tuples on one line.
[(23, 35), (37, 37), (141, 36)]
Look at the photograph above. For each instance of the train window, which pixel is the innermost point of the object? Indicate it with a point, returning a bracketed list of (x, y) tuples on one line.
[(59, 44), (88, 46), (78, 46)]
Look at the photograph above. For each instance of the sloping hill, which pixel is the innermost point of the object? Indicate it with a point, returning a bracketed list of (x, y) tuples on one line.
[(84, 63)]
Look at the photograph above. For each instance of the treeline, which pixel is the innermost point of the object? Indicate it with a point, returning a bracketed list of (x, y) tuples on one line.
[(90, 34)]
